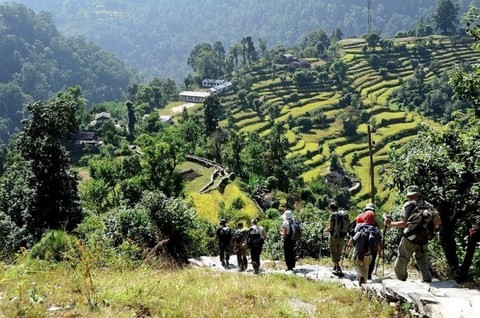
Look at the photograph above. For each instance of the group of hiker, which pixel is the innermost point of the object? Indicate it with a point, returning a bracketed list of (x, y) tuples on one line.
[(363, 236)]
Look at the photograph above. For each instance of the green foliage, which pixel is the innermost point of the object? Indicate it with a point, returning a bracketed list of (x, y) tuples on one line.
[(444, 166), (38, 189), (54, 246), (445, 16), (174, 219), (211, 114), (37, 62)]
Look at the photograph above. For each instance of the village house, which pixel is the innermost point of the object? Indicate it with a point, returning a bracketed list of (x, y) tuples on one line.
[(212, 82), (100, 119), (85, 141), (193, 97)]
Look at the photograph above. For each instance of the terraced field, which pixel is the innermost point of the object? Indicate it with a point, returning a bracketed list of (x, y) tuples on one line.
[(393, 128)]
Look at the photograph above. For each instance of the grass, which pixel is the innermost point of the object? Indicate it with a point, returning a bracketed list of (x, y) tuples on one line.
[(149, 291), (208, 205)]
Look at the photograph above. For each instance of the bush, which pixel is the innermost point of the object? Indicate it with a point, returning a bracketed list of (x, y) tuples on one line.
[(203, 239), (305, 124), (174, 219), (54, 246), (237, 203)]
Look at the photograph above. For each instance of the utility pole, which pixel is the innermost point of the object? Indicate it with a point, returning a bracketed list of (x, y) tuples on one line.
[(369, 16), (372, 180)]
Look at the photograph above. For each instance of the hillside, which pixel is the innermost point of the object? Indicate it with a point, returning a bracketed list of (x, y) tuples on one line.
[(155, 37), (373, 84), (38, 62)]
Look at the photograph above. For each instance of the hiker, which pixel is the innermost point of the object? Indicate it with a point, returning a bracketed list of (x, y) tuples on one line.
[(240, 247), (361, 219), (366, 240), (288, 241), (256, 236), (337, 227), (414, 243), (224, 237)]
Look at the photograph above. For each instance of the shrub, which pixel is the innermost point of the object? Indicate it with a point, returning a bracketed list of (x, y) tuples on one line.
[(305, 124), (53, 246), (174, 219), (237, 203)]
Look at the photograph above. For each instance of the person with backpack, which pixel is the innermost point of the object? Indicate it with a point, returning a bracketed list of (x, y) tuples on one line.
[(337, 227), (256, 236), (240, 247), (418, 219), (224, 237), (291, 233), (365, 241), (369, 207)]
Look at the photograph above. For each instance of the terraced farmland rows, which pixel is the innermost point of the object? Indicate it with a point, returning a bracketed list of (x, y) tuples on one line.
[(394, 128)]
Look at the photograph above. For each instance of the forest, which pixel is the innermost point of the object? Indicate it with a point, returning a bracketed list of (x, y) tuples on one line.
[(170, 29), (100, 168)]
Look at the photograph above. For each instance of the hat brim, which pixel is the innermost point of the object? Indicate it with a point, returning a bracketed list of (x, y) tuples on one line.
[(412, 193)]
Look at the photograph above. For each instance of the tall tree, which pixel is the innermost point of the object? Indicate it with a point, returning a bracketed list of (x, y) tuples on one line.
[(220, 53), (131, 118), (38, 189), (445, 16), (211, 114)]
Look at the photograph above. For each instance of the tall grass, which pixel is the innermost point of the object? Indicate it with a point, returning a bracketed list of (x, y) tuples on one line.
[(61, 291)]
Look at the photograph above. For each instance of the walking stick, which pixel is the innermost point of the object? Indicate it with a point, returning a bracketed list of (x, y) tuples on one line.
[(383, 247)]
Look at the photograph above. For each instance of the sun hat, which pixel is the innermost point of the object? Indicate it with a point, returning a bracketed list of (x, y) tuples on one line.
[(413, 190), (287, 215), (369, 206)]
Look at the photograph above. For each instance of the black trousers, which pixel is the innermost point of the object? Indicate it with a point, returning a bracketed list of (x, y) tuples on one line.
[(224, 251), (255, 252), (290, 255)]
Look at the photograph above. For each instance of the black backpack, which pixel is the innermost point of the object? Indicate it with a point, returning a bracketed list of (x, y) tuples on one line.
[(366, 240), (225, 235), (296, 230), (340, 226), (239, 236), (254, 239), (420, 228)]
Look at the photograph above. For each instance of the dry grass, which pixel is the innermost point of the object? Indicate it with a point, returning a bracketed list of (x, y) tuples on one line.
[(151, 292)]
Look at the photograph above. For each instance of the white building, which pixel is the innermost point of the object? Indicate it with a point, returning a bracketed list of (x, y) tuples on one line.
[(193, 97), (212, 82)]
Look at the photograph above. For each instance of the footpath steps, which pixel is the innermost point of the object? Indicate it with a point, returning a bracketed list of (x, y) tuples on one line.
[(442, 299)]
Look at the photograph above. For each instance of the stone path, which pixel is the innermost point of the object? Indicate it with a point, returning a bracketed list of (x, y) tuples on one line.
[(445, 299)]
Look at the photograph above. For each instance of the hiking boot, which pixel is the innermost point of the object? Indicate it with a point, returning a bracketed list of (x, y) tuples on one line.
[(223, 263), (427, 281), (361, 280)]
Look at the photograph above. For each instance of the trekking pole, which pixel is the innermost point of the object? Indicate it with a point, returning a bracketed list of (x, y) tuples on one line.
[(319, 252), (383, 247)]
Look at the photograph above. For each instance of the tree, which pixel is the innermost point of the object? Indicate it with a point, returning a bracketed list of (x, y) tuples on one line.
[(204, 61), (131, 119), (162, 154), (38, 189), (211, 114), (312, 38), (443, 163), (445, 17), (372, 40), (336, 35)]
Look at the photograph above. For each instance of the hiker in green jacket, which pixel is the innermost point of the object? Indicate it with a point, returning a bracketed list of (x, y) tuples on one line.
[(412, 244), (240, 247)]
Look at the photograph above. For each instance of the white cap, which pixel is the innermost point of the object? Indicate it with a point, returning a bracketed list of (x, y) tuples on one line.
[(287, 215)]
